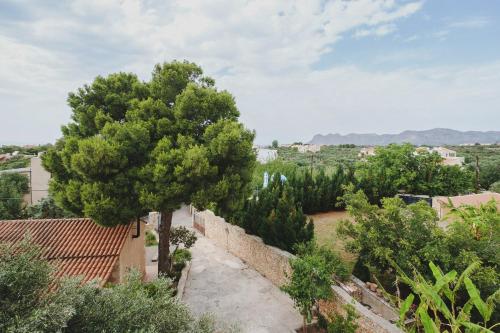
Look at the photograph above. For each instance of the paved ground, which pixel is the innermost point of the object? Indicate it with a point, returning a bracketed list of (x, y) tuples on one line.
[(222, 284)]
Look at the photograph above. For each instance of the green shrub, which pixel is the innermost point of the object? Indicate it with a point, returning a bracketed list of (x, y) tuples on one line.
[(30, 303), (151, 239), (181, 256), (276, 217), (341, 324), (495, 187)]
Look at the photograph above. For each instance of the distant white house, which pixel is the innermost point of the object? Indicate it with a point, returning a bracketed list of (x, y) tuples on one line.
[(265, 155), (366, 151), (307, 148), (449, 156)]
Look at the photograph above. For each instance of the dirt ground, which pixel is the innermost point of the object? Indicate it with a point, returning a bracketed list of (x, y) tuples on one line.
[(325, 231)]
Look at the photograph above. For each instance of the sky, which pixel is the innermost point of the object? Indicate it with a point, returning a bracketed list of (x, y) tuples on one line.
[(296, 68)]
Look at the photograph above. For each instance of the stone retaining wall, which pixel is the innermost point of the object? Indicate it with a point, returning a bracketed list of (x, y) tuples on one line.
[(269, 261), (274, 264)]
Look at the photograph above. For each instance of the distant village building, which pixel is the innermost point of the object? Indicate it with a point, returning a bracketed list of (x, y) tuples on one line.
[(449, 156), (366, 151), (38, 180), (303, 148), (441, 203), (265, 155), (80, 247)]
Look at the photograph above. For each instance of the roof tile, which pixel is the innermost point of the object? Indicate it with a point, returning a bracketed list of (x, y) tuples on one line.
[(77, 246)]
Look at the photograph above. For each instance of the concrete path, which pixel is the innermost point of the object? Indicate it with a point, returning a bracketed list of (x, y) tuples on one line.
[(221, 284)]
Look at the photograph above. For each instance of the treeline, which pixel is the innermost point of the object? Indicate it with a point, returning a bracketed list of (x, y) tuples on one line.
[(320, 192), (399, 169), (275, 215)]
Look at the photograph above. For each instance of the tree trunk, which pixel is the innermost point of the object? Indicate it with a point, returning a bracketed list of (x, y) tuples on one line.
[(164, 243), (304, 327)]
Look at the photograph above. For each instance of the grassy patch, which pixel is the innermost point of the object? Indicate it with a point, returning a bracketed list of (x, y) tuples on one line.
[(325, 232)]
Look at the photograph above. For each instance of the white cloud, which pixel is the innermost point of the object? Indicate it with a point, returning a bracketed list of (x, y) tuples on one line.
[(378, 31), (262, 51), (471, 23)]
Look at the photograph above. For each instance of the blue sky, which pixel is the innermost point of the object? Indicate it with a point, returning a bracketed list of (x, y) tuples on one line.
[(296, 68)]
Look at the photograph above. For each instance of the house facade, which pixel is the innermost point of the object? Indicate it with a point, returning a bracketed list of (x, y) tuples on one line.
[(442, 207)]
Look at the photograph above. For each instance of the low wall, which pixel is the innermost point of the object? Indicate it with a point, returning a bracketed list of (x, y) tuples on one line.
[(274, 264), (269, 261)]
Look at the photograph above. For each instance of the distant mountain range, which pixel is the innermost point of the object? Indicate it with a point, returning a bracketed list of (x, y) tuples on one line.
[(432, 137)]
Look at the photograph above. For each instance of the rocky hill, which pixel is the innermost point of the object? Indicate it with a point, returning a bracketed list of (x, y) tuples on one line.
[(433, 137)]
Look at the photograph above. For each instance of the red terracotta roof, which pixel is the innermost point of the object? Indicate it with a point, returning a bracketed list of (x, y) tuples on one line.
[(77, 246)]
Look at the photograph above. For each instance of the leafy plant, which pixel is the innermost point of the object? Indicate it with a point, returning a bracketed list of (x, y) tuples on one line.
[(181, 256), (343, 324), (311, 278), (46, 208), (32, 300), (276, 217), (150, 239), (13, 186), (438, 310)]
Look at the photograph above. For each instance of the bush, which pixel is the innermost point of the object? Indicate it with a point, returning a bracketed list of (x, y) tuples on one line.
[(46, 209), (181, 256), (341, 324), (311, 278), (13, 186), (276, 217), (495, 187), (33, 301), (150, 239)]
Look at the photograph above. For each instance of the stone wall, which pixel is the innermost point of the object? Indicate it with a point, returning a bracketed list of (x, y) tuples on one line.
[(269, 261), (274, 264)]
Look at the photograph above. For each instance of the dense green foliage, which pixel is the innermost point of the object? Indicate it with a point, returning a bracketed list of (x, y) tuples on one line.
[(13, 186), (150, 239), (15, 162), (438, 310), (406, 233), (46, 208), (495, 187), (276, 217), (343, 324), (316, 191), (135, 146), (409, 237), (32, 301), (320, 192), (311, 278), (397, 168)]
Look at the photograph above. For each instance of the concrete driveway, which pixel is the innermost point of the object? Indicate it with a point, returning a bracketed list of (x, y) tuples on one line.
[(223, 285)]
